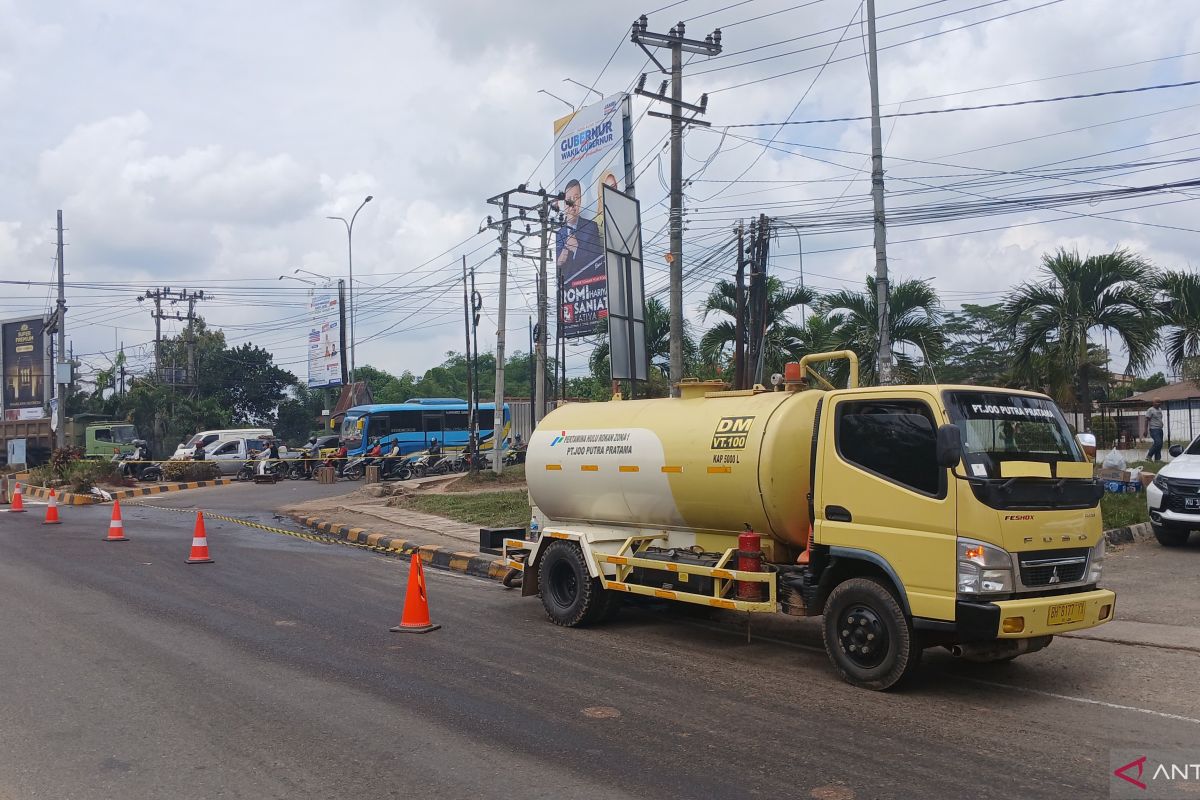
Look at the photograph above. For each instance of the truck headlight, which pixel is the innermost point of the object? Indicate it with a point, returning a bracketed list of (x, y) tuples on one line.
[(1161, 482), (1096, 562), (983, 568)]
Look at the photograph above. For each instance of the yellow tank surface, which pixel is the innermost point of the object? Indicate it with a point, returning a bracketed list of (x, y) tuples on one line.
[(709, 462)]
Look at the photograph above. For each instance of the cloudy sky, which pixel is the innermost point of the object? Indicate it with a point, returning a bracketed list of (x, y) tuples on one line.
[(202, 145)]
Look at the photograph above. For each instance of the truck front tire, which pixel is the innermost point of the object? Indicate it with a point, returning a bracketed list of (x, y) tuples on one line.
[(570, 595), (868, 637)]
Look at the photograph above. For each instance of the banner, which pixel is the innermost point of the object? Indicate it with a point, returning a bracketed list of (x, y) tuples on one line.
[(324, 337), (590, 149), (24, 361)]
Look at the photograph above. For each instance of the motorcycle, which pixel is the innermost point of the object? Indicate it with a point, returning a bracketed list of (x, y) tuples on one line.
[(141, 470), (249, 470), (357, 467)]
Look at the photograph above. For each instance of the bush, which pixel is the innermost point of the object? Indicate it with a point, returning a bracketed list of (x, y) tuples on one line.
[(82, 476), (190, 470), (1105, 429)]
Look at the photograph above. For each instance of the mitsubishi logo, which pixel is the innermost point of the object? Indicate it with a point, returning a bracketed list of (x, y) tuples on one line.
[(1054, 577)]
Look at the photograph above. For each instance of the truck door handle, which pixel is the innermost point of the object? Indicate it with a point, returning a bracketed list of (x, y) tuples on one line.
[(837, 514)]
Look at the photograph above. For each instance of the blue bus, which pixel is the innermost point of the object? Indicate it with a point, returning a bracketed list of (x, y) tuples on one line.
[(415, 422)]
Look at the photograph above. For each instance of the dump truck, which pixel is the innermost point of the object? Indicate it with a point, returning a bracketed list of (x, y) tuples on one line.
[(98, 437), (909, 517)]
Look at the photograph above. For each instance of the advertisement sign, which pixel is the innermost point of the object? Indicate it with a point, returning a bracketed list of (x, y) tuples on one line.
[(627, 300), (24, 362), (324, 338), (589, 152)]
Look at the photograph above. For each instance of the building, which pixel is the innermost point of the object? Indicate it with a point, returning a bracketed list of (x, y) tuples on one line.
[(1180, 407)]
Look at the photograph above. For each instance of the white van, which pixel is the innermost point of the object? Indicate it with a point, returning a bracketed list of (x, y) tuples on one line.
[(206, 438)]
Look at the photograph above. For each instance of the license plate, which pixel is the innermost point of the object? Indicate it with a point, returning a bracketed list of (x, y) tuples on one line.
[(1065, 613), (1191, 502)]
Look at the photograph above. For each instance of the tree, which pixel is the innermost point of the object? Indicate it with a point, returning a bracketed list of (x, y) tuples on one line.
[(1077, 296), (718, 343), (914, 321), (1179, 307), (978, 347), (658, 345)]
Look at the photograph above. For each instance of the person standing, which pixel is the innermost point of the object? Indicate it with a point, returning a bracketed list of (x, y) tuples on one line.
[(1154, 428)]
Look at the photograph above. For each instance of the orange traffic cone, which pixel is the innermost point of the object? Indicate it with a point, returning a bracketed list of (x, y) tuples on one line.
[(18, 505), (415, 618), (116, 528), (51, 510), (199, 543)]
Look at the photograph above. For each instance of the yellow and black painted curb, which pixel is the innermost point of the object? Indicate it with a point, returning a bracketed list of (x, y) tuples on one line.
[(443, 557), (74, 499)]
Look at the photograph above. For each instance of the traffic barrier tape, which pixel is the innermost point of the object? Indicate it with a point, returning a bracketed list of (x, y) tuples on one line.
[(469, 563)]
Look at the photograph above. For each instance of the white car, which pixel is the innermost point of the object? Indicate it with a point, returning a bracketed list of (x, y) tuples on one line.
[(1174, 496)]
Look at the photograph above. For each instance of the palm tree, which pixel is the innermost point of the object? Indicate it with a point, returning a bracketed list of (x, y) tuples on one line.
[(718, 342), (1078, 295), (1179, 305), (658, 341), (914, 322)]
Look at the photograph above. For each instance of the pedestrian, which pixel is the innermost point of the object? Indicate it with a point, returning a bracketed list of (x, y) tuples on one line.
[(1154, 428)]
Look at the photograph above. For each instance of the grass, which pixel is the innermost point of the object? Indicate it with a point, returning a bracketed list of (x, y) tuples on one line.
[(508, 509), (1119, 510), (512, 475)]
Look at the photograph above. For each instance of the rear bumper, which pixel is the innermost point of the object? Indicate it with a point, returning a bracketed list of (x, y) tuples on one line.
[(977, 622)]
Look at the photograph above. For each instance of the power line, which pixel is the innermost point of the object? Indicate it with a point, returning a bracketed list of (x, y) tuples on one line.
[(1010, 104)]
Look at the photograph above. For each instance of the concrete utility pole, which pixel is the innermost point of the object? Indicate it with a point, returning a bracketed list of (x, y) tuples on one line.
[(470, 365), (342, 330), (175, 296), (350, 259), (61, 411), (539, 409), (678, 45), (739, 324), (884, 356)]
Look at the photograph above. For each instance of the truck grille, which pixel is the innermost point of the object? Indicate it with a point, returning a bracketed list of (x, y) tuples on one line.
[(1178, 493), (1041, 567)]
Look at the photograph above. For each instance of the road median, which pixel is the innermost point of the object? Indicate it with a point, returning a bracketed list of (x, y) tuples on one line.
[(82, 499), (467, 562)]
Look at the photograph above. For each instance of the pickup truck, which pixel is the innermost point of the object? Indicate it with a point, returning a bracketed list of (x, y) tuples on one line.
[(230, 454)]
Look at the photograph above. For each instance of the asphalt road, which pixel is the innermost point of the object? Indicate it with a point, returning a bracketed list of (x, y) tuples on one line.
[(125, 672)]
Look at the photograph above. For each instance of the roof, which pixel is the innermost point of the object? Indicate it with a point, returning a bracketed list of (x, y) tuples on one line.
[(356, 394), (1183, 390)]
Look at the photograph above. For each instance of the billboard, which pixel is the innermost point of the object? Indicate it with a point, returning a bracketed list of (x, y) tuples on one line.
[(324, 337), (590, 151), (627, 303), (24, 363)]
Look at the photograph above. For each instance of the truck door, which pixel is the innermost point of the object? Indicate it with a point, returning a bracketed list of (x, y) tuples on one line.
[(881, 496)]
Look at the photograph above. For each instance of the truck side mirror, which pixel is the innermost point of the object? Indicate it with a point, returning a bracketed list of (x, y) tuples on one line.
[(949, 446), (1176, 450)]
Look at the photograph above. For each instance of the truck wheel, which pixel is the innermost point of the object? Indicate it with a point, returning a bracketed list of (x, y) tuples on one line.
[(571, 596), (867, 635), (1170, 537)]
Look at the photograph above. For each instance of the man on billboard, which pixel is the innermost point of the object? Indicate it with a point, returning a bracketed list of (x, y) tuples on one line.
[(577, 242)]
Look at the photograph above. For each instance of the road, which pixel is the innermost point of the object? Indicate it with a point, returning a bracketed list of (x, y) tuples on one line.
[(125, 672)]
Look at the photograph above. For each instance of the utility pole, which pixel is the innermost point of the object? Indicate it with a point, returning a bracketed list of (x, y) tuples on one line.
[(678, 45), (175, 296), (61, 410), (470, 365), (540, 381), (884, 356), (764, 248), (476, 307), (739, 343), (349, 223), (342, 330)]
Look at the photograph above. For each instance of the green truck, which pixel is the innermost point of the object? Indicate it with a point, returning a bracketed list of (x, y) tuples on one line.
[(99, 437)]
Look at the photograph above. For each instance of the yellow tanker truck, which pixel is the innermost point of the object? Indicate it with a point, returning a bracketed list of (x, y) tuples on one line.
[(909, 516)]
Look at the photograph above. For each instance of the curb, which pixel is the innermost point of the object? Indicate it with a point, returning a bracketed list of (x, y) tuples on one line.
[(441, 557), (74, 499), (1138, 532)]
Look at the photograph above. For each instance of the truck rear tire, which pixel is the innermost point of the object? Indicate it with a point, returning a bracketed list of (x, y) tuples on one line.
[(868, 637), (572, 598), (1170, 537)]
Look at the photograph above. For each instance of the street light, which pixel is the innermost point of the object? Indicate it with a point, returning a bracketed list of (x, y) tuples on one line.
[(291, 278), (350, 257)]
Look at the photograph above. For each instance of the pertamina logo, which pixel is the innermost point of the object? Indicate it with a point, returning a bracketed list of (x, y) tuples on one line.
[(731, 433), (558, 438)]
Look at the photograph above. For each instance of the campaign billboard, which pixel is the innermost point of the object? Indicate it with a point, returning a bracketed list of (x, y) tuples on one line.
[(24, 364), (591, 149), (324, 337)]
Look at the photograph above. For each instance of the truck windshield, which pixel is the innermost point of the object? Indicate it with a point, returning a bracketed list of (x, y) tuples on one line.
[(124, 434), (998, 427)]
